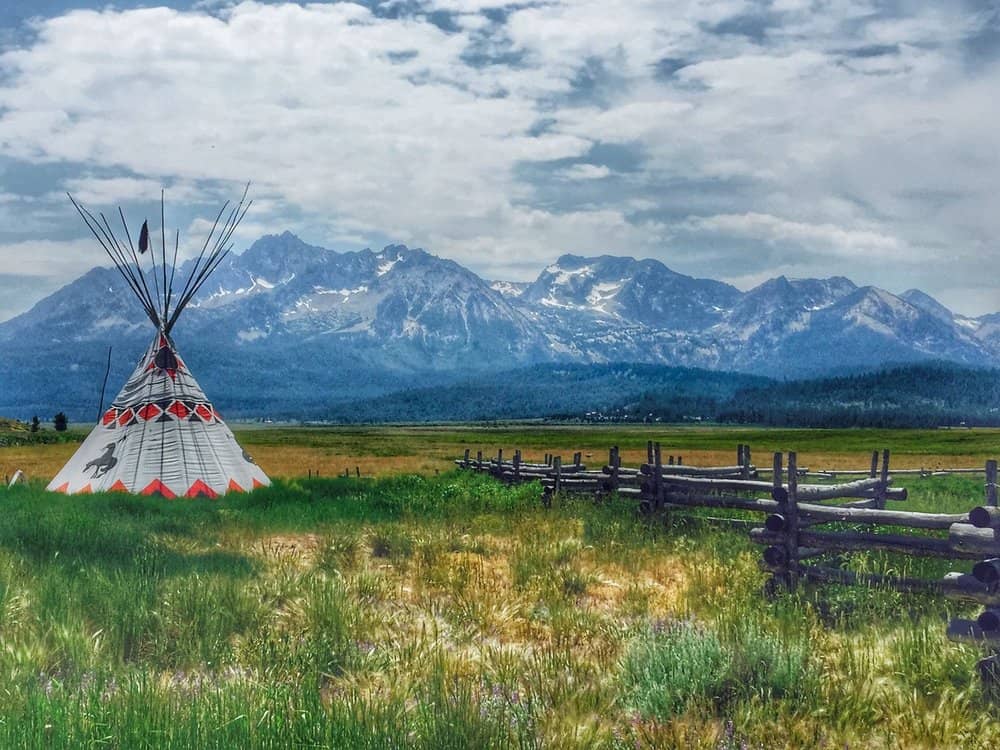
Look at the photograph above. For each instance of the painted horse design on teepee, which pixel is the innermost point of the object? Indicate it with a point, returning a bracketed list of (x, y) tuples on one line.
[(103, 463), (161, 435)]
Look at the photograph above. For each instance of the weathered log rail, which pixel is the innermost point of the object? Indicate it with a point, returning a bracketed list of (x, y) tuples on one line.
[(799, 530)]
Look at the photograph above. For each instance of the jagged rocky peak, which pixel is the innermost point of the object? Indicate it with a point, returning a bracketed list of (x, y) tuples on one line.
[(928, 304), (510, 289)]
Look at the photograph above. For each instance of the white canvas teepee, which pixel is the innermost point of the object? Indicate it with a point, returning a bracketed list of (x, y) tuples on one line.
[(161, 435)]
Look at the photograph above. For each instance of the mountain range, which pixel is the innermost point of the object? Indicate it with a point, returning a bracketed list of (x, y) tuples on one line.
[(291, 329)]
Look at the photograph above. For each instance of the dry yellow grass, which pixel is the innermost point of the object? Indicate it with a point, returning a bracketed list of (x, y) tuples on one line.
[(428, 451)]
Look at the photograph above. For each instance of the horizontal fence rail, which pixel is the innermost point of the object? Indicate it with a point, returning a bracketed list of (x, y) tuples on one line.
[(804, 521)]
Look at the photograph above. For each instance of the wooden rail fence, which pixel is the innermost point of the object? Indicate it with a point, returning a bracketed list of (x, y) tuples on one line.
[(800, 526)]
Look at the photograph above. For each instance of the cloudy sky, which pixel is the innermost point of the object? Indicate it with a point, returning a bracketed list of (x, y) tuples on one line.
[(730, 139)]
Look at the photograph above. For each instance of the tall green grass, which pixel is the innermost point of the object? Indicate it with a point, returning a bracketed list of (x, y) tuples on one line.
[(451, 612)]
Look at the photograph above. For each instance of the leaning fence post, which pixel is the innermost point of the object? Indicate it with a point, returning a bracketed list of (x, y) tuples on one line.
[(792, 521), (991, 483)]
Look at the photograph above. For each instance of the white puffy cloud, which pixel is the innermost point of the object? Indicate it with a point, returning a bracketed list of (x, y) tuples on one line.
[(821, 129)]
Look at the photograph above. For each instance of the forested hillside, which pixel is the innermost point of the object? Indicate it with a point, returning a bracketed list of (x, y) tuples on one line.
[(926, 395)]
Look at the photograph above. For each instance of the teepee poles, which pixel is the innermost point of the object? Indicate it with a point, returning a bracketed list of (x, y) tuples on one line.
[(220, 249), (157, 301), (114, 251), (135, 256)]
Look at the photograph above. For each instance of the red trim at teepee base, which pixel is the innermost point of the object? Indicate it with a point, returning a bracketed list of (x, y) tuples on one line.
[(85, 490), (156, 487), (233, 487), (257, 483), (118, 486), (64, 488), (200, 489)]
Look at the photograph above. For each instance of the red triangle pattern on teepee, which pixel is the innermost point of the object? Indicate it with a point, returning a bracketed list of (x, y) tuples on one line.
[(85, 490), (109, 416), (118, 486), (64, 487), (257, 483), (156, 487), (149, 411), (233, 487), (179, 410), (200, 489)]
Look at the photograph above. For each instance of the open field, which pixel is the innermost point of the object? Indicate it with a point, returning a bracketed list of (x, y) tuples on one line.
[(448, 611), (386, 450)]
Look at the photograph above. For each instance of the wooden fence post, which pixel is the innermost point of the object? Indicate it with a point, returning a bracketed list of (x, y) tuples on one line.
[(517, 465), (739, 454), (991, 483), (883, 481), (649, 452), (779, 576), (792, 522), (616, 465), (557, 465), (874, 470), (657, 477), (680, 461), (465, 460), (479, 460), (744, 461), (577, 459)]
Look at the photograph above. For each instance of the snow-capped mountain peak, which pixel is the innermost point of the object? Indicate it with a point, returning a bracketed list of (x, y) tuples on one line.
[(353, 320)]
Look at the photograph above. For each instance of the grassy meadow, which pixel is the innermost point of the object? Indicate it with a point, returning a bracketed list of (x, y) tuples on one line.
[(420, 607)]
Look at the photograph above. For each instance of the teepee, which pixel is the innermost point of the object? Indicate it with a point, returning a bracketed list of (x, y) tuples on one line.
[(161, 435)]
